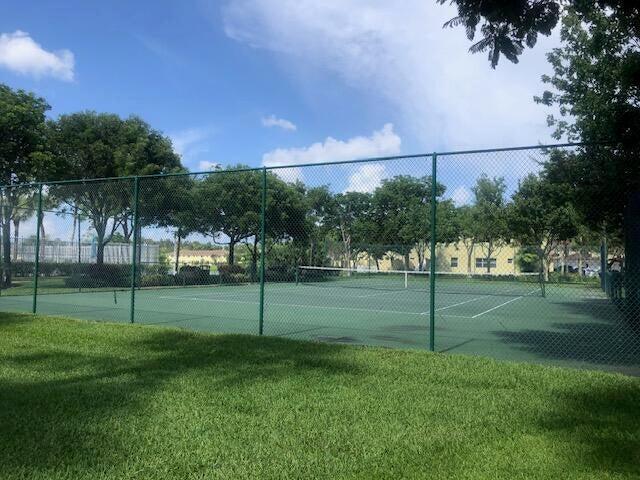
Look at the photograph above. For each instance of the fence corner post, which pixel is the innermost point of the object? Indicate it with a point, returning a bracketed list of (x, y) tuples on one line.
[(134, 248), (263, 209), (432, 260), (36, 263)]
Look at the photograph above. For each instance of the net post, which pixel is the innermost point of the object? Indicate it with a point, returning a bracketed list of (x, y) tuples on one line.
[(36, 269), (406, 280), (134, 248), (432, 260), (263, 209)]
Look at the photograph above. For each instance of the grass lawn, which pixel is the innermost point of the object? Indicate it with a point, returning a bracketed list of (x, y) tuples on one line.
[(82, 400)]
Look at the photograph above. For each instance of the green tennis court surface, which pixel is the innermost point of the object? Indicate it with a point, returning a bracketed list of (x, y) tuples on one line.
[(571, 325)]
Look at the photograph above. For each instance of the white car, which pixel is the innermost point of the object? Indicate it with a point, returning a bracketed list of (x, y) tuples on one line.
[(591, 272)]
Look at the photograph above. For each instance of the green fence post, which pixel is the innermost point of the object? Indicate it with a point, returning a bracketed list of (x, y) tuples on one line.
[(432, 266), (134, 249), (262, 241), (36, 269)]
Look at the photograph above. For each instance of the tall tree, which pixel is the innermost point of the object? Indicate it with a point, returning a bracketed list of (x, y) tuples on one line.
[(490, 216), (23, 157), (402, 207), (228, 203), (596, 85), (348, 214), (467, 232), (542, 216), (99, 145), (285, 221)]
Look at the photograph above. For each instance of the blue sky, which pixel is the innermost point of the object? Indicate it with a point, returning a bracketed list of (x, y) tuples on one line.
[(276, 82)]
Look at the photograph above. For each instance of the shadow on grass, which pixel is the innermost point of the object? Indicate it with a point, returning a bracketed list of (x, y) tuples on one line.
[(605, 422), (62, 408)]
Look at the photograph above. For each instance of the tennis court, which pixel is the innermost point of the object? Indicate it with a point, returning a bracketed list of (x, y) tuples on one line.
[(573, 325)]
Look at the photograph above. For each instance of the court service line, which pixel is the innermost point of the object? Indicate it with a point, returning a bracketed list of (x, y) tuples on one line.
[(498, 306), (322, 307), (460, 303), (455, 305)]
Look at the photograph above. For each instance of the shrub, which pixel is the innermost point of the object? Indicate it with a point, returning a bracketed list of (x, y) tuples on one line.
[(233, 274), (191, 275), (100, 276), (157, 280)]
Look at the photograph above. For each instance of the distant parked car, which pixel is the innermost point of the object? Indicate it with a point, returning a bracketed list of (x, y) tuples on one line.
[(591, 272)]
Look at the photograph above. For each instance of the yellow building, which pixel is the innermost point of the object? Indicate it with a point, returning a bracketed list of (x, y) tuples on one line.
[(460, 257), (200, 257)]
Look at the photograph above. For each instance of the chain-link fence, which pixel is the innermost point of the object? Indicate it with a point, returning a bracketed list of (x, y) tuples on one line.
[(472, 252)]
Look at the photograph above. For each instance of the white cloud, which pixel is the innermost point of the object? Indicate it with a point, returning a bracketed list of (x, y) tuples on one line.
[(206, 166), (398, 52), (381, 142), (273, 121), (191, 143), (461, 196), (366, 178), (21, 54)]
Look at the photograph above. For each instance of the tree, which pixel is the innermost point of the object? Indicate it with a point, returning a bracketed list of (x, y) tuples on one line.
[(23, 158), (228, 203), (467, 232), (285, 221), (402, 208), (346, 215), (489, 216), (596, 85), (507, 27), (103, 145), (168, 201), (319, 204), (542, 216)]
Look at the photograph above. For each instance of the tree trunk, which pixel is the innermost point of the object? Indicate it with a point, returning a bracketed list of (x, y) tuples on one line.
[(470, 249), (6, 248), (16, 229), (407, 261), (254, 259), (580, 262), (230, 256), (177, 250), (488, 259), (42, 236)]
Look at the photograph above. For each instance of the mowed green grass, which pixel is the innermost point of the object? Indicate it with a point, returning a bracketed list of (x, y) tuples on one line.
[(83, 400)]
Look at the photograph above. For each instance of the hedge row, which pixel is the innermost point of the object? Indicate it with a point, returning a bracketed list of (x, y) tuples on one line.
[(85, 275)]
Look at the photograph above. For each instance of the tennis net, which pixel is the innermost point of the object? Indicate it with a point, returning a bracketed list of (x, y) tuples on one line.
[(519, 284)]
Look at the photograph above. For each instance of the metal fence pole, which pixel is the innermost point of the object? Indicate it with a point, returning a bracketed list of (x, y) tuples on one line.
[(432, 266), (262, 249), (134, 249), (36, 268)]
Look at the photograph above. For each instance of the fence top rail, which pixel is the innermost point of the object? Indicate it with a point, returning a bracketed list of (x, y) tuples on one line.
[(81, 181)]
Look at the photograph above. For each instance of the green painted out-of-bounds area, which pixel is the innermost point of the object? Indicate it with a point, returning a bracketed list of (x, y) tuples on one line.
[(86, 400), (569, 325)]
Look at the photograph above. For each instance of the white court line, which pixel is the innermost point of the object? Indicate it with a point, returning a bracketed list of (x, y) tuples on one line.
[(505, 303), (377, 294), (460, 303), (454, 305), (245, 302)]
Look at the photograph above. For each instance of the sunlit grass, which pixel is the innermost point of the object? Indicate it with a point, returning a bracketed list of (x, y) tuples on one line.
[(82, 400)]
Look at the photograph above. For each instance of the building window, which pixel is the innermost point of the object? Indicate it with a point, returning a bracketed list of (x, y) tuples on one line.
[(509, 260), (482, 262), (454, 262)]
